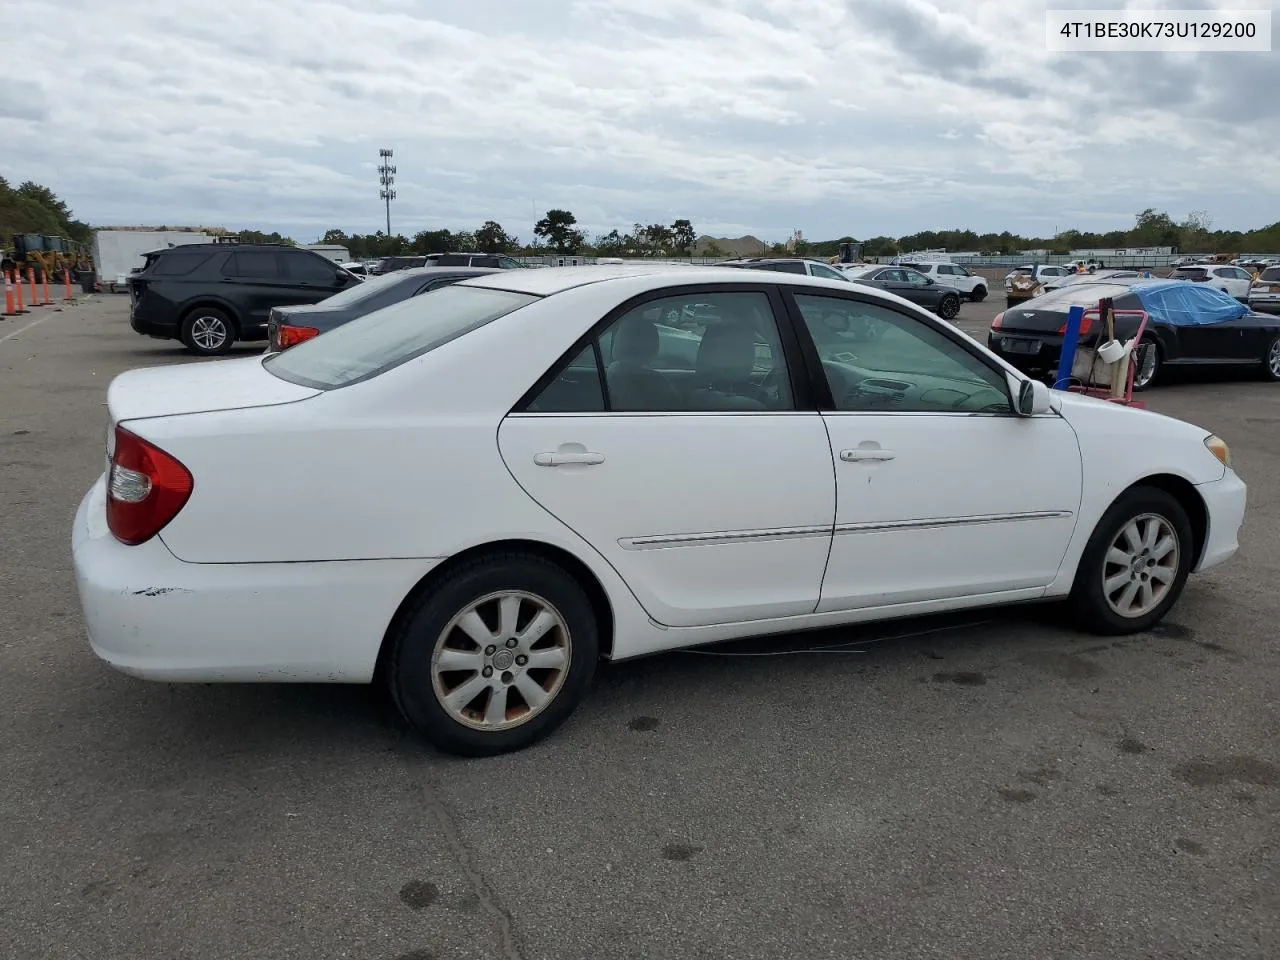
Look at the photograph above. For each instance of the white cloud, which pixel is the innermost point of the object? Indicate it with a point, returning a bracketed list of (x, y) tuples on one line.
[(879, 116)]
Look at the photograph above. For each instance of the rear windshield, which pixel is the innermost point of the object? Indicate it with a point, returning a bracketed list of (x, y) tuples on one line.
[(1271, 273), (1183, 273), (1080, 293), (386, 338), (365, 290)]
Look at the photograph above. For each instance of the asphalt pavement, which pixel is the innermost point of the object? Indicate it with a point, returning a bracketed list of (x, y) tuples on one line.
[(990, 786)]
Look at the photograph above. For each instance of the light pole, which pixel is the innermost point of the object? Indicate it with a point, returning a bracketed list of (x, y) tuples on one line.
[(386, 177)]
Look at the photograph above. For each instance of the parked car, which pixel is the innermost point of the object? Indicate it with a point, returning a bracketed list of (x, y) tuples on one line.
[(912, 285), (1187, 325), (1097, 275), (470, 501), (1221, 276), (799, 265), (1264, 293), (953, 275), (288, 326), (209, 295), (498, 260), (356, 267), (1040, 272), (392, 264)]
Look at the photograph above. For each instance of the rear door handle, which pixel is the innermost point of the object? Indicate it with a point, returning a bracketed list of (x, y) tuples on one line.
[(853, 456), (563, 459)]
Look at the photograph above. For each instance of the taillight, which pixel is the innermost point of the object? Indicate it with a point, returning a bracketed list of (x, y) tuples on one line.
[(997, 322), (288, 336), (1085, 326), (145, 489)]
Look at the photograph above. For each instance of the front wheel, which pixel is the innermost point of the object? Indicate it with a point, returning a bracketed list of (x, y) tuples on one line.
[(1135, 565), (949, 306), (208, 332), (496, 657), (1271, 366), (979, 294)]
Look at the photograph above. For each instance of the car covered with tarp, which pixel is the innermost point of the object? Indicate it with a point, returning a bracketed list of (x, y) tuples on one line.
[(1188, 324)]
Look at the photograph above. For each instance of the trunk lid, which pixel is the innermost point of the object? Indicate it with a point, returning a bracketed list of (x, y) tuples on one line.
[(200, 387)]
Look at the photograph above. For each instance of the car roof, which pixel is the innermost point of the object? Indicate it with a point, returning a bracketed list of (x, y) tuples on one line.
[(444, 271), (546, 281)]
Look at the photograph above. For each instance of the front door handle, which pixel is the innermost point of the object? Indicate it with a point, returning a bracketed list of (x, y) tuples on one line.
[(563, 459), (866, 453)]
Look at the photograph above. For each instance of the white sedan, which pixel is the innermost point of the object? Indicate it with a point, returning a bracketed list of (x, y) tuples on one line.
[(474, 495)]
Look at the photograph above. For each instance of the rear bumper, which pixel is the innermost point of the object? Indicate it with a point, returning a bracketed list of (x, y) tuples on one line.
[(1040, 353), (1225, 503), (1268, 305), (151, 615)]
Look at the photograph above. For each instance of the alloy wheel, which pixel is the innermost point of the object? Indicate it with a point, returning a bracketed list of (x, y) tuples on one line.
[(501, 661), (1147, 359), (1140, 566), (1273, 359), (209, 333)]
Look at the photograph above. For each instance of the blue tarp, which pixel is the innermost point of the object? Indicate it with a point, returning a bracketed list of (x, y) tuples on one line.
[(1181, 303)]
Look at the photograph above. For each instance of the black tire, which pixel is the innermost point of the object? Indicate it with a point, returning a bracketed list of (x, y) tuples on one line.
[(409, 674), (979, 294), (949, 306), (1271, 361), (1145, 380), (1088, 601), (200, 330)]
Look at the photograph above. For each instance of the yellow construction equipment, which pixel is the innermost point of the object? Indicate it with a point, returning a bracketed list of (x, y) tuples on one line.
[(48, 256)]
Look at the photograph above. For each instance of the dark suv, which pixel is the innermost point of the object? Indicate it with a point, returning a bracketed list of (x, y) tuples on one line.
[(209, 295)]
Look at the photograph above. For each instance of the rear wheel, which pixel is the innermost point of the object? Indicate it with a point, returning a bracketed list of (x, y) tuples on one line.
[(1146, 362), (1271, 366), (208, 332), (949, 306), (1135, 565), (979, 294), (496, 657)]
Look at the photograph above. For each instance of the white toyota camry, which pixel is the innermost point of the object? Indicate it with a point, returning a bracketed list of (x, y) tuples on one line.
[(474, 495)]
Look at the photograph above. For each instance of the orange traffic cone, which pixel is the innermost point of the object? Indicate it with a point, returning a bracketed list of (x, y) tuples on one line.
[(66, 279), (18, 290), (35, 290), (10, 310)]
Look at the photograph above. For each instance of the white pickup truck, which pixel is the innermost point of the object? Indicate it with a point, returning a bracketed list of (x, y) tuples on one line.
[(951, 275)]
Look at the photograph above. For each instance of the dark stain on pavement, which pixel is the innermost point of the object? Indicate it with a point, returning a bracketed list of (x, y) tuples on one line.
[(680, 851), (97, 890), (963, 678), (1243, 796), (1016, 794), (1172, 631), (1107, 790), (643, 724), (1189, 846), (1065, 666), (21, 433), (1132, 745), (419, 894), (1209, 773), (1041, 776)]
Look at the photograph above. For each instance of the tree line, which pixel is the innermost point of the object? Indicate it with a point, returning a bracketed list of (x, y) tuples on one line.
[(33, 208)]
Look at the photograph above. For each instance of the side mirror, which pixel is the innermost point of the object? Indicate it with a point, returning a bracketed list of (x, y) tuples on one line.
[(1033, 398), (929, 281)]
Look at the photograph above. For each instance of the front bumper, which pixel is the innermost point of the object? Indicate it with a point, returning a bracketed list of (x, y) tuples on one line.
[(1224, 502), (151, 615)]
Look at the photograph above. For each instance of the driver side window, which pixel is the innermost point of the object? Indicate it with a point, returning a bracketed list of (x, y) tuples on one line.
[(877, 359)]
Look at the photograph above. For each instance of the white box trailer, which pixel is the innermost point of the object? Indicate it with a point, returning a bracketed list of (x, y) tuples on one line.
[(334, 252), (117, 253)]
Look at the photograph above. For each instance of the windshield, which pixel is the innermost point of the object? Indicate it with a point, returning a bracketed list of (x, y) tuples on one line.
[(1271, 273), (386, 338)]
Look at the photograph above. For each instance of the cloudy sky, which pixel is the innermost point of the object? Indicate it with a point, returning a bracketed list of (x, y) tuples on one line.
[(859, 117)]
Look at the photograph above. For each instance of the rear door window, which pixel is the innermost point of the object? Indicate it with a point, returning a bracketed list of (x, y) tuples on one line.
[(252, 265), (309, 268)]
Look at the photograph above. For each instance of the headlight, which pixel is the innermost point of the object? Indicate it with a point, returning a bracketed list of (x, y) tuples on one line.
[(1218, 447)]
